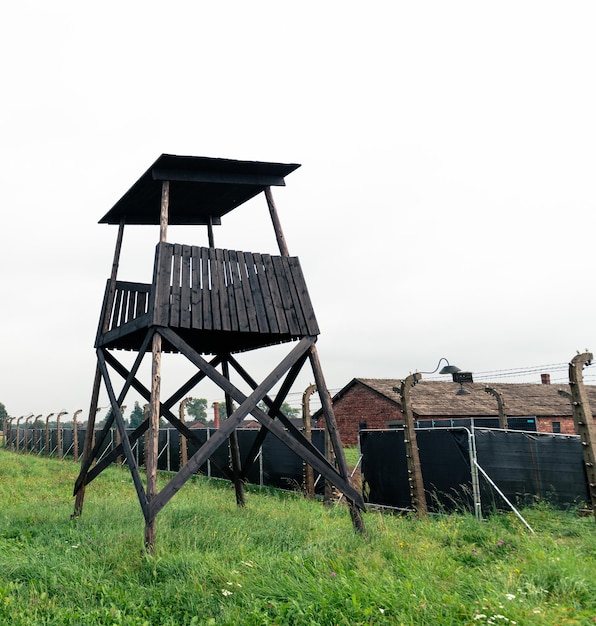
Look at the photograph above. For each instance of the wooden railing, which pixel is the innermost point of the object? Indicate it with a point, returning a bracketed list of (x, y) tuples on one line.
[(228, 290), (130, 302), (260, 297)]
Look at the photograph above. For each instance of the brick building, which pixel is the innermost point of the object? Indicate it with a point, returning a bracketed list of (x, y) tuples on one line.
[(372, 403)]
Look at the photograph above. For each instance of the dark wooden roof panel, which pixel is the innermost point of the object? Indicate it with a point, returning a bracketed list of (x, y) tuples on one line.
[(200, 188)]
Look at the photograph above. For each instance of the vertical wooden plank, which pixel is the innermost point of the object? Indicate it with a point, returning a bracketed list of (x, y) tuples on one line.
[(175, 282), (278, 305), (286, 296), (206, 290), (185, 288), (162, 284), (251, 312), (266, 293), (231, 277), (141, 304), (238, 293), (294, 295), (257, 296), (215, 284), (303, 296), (114, 319), (196, 292), (222, 292), (130, 304)]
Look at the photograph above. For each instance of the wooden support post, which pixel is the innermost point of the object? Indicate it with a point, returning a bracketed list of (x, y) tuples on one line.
[(281, 240), (235, 461), (309, 476), (151, 450), (48, 442), (88, 445), (75, 435), (89, 434), (59, 434), (584, 420), (501, 406), (151, 447), (18, 428), (210, 236), (412, 454), (26, 436), (340, 457), (183, 439)]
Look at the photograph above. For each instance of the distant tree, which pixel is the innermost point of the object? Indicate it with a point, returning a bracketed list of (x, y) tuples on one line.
[(136, 416), (286, 409), (197, 409), (223, 412), (3, 414)]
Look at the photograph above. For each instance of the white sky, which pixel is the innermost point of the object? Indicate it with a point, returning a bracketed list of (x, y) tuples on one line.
[(443, 207)]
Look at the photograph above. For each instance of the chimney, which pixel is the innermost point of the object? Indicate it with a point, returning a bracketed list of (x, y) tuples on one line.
[(545, 378), (216, 414)]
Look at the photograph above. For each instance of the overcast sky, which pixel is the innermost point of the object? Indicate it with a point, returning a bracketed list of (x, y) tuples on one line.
[(444, 207)]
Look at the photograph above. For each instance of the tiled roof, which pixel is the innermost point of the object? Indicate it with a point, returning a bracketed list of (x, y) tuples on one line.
[(430, 398)]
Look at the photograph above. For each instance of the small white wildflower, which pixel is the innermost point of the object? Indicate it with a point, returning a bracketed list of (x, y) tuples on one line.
[(238, 585), (536, 611), (76, 545), (229, 583), (381, 610), (479, 616), (510, 596), (226, 592)]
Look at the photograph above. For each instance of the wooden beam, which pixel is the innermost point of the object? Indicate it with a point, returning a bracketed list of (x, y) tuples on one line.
[(235, 461), (115, 405), (584, 420), (249, 405), (415, 478), (281, 240), (327, 406)]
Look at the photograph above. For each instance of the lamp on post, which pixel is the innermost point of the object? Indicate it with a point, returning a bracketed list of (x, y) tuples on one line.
[(446, 369)]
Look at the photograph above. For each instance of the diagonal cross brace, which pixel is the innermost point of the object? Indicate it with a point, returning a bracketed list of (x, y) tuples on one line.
[(164, 410), (247, 405), (129, 379), (134, 470)]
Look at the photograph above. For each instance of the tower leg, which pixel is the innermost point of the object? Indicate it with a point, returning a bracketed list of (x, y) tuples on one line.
[(331, 425), (88, 446), (151, 450), (234, 447)]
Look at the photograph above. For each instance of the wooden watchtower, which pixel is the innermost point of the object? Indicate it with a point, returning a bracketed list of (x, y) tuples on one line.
[(206, 304)]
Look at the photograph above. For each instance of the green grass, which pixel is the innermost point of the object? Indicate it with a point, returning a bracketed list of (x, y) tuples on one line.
[(279, 560)]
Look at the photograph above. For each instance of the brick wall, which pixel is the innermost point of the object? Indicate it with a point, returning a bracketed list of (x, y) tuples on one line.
[(361, 405), (546, 425)]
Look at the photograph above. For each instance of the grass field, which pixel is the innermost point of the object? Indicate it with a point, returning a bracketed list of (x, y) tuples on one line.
[(280, 560)]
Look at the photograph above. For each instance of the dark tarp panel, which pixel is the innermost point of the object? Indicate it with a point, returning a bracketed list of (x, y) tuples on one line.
[(529, 466), (525, 466), (283, 468), (445, 464)]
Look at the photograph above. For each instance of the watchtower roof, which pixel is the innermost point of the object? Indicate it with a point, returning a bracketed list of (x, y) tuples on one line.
[(201, 189)]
